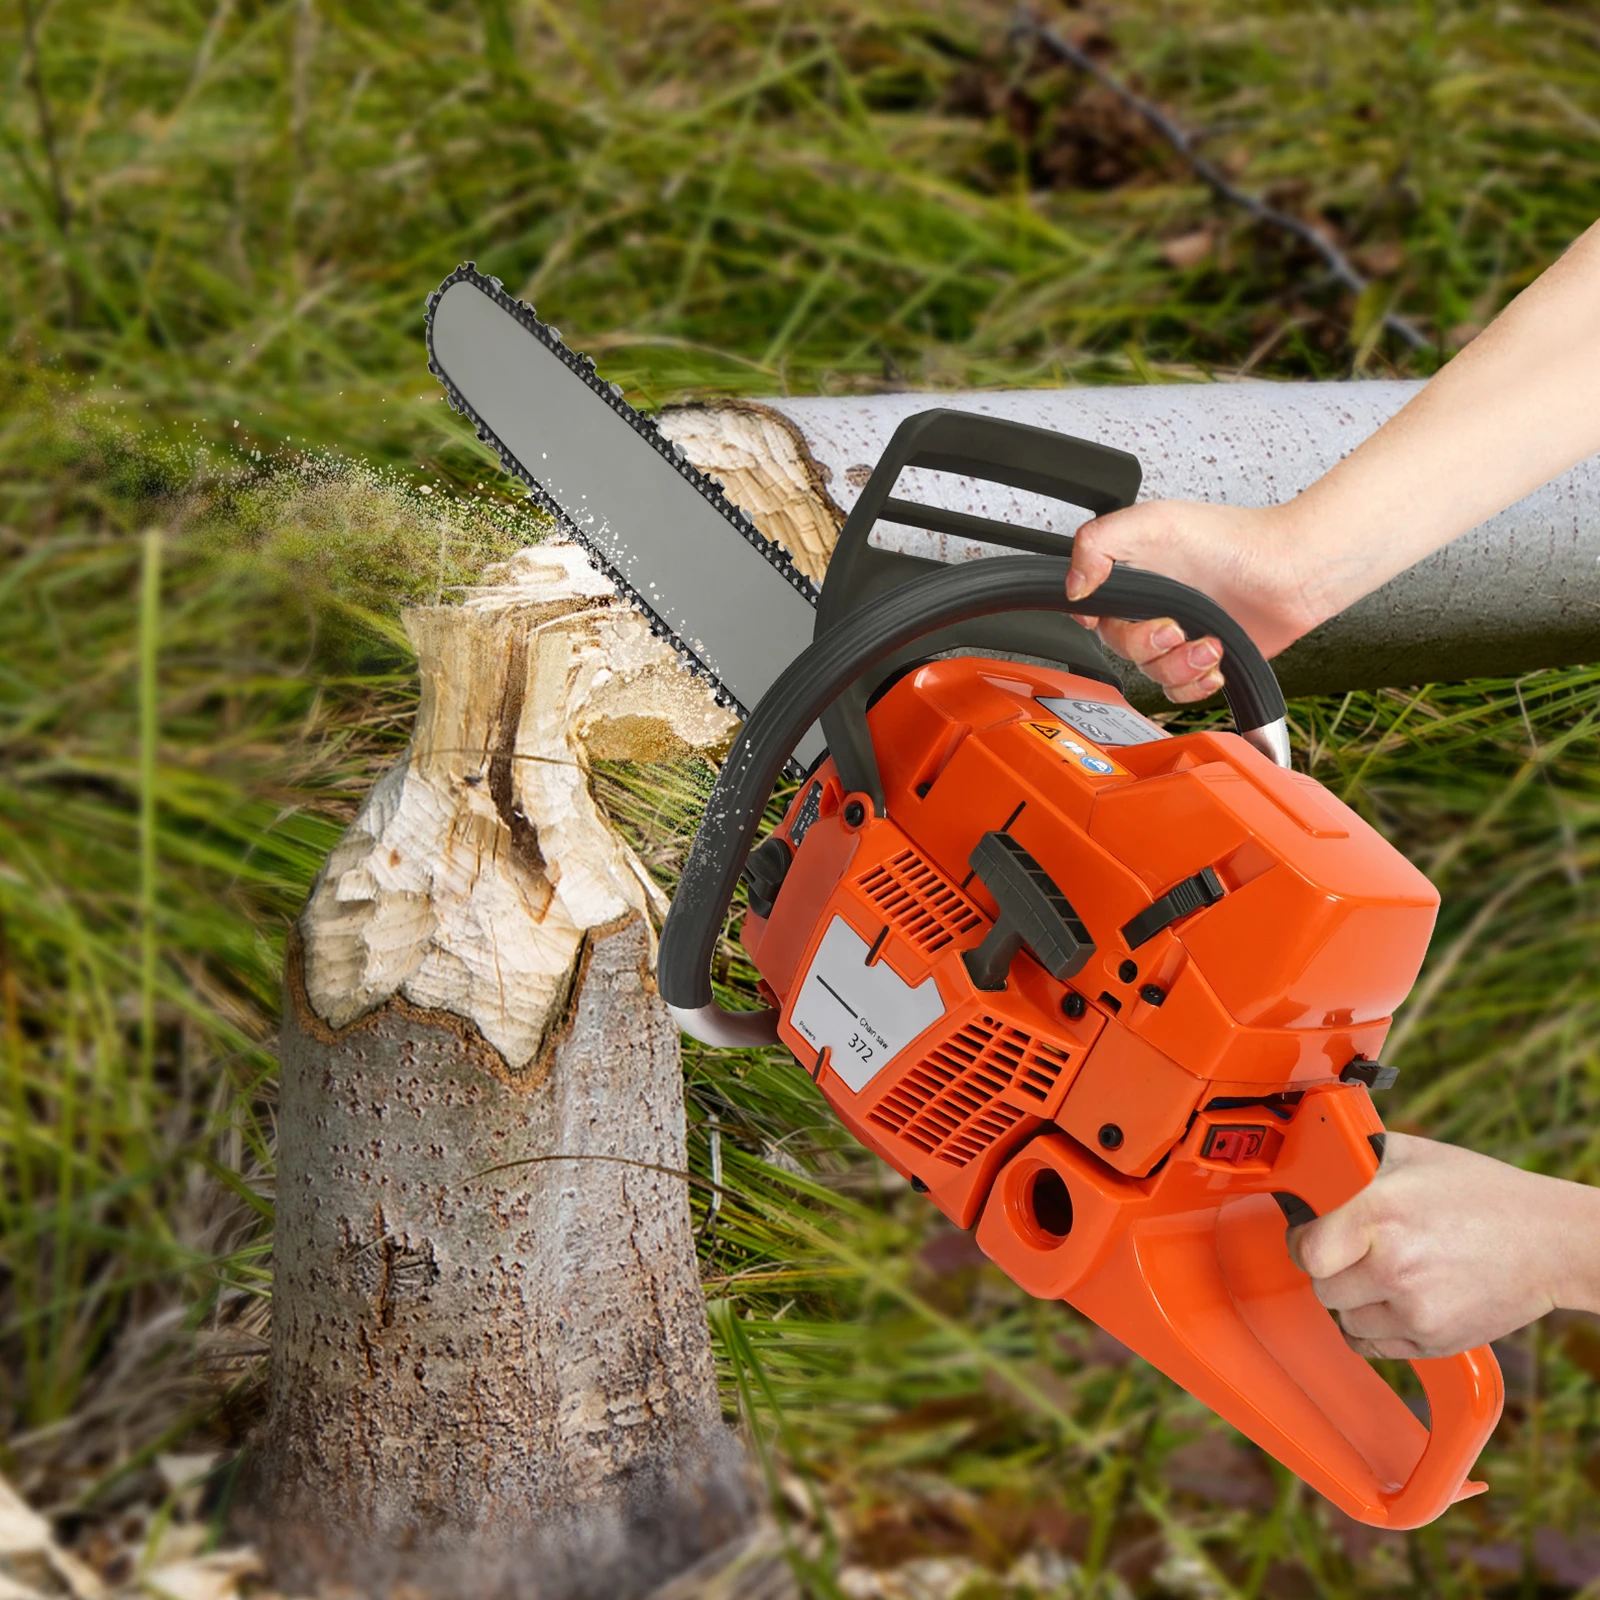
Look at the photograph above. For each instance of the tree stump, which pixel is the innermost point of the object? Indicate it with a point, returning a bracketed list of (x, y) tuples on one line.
[(491, 1370)]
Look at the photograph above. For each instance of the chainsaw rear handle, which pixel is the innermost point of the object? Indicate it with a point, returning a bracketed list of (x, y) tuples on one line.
[(1192, 1271), (866, 637)]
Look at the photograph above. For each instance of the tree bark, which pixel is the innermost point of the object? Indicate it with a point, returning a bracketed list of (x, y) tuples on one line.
[(491, 1370), (1520, 592)]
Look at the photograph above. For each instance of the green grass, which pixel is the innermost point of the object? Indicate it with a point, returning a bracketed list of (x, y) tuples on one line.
[(215, 431)]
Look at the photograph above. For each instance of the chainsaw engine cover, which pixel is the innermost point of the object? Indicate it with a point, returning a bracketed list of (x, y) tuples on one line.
[(1062, 900)]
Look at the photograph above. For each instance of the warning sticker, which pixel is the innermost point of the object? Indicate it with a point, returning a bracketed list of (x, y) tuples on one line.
[(1072, 750), (864, 1016), (1105, 724)]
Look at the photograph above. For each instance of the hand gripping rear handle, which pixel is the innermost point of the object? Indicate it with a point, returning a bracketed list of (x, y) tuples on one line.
[(1200, 1283), (857, 644)]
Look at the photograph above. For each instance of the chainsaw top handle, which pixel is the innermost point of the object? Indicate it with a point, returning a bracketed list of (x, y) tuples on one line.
[(855, 645), (985, 449)]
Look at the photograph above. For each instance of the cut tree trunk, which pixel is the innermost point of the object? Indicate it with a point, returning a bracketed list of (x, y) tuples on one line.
[(491, 1370), (1520, 592)]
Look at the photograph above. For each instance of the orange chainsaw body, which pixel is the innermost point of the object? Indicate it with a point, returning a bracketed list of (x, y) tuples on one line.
[(1119, 1139)]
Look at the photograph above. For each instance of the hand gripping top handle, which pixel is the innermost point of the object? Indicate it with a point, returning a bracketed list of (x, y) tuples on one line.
[(1078, 472), (1188, 1265)]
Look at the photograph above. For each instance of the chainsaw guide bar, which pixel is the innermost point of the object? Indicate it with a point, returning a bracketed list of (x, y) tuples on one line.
[(657, 526)]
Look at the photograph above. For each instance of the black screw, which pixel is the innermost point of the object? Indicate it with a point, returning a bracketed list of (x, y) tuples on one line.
[(1153, 994), (1074, 1004), (919, 1186), (922, 790), (1111, 1136), (1128, 971), (855, 813)]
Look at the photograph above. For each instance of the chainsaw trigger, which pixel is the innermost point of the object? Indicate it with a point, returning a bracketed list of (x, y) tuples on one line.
[(1193, 894)]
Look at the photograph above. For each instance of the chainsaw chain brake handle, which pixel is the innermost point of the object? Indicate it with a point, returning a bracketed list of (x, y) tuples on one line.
[(875, 604), (1079, 472)]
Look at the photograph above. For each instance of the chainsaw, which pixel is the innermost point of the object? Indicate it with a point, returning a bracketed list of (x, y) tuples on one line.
[(1111, 997)]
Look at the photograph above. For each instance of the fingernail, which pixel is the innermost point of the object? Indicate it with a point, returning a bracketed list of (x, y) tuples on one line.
[(1168, 637), (1077, 588), (1203, 654), (1211, 682)]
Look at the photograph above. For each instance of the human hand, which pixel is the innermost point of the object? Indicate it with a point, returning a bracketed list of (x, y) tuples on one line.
[(1446, 1249), (1245, 558)]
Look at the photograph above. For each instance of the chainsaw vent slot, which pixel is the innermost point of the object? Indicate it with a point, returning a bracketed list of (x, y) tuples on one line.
[(919, 902), (948, 1105), (1041, 1070)]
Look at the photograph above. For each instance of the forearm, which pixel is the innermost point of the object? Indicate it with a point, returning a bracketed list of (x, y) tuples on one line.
[(1514, 409), (1446, 1249), (1575, 1216)]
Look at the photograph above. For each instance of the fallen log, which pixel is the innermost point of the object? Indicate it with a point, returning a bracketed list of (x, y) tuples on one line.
[(1519, 592), (491, 1369)]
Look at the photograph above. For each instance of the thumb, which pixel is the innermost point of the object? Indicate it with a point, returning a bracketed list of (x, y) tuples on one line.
[(1091, 565), (1332, 1242)]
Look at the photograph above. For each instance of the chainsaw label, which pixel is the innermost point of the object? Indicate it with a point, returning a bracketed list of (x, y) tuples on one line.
[(864, 1016), (1105, 724), (810, 810)]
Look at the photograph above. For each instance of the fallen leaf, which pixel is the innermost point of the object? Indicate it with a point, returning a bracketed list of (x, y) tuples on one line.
[(1570, 1560), (1043, 1570), (22, 1530), (1381, 258), (213, 1577), (1502, 1559), (1188, 249), (951, 1250), (29, 1552), (183, 1470), (1216, 1469)]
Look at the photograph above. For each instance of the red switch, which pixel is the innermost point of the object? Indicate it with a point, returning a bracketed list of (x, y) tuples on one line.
[(1234, 1145)]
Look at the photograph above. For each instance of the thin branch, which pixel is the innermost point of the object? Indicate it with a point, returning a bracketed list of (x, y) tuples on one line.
[(47, 137), (1027, 27), (47, 134)]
